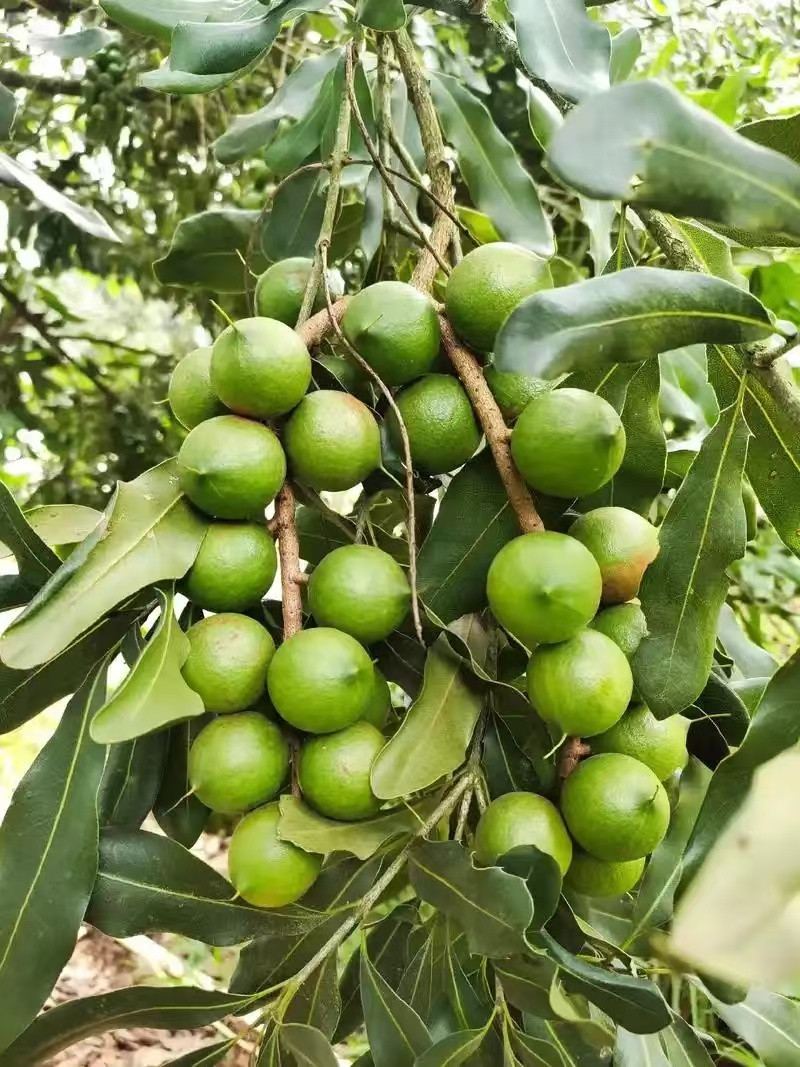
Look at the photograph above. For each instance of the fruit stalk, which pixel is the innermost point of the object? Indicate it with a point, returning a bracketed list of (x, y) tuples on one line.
[(572, 751)]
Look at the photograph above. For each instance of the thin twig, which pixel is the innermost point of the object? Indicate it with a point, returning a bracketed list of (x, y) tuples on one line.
[(384, 118), (463, 813), (407, 461)]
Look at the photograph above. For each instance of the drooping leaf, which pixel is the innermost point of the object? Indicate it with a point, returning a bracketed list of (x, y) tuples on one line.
[(560, 44), (493, 908), (158, 18), (396, 1033), (36, 561), (148, 534), (317, 1002), (313, 832), (774, 728), (381, 15), (131, 780), (781, 134), (154, 694), (207, 250), (498, 183), (769, 1023), (14, 173), (177, 810), (644, 143), (48, 862), (290, 147), (78, 45), (473, 523), (157, 1007), (685, 587), (433, 738), (624, 317), (293, 226)]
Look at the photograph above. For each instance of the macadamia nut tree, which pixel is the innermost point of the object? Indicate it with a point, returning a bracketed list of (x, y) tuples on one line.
[(423, 604)]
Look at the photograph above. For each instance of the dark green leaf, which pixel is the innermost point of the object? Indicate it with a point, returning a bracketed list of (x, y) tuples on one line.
[(423, 980), (498, 183), (528, 1051), (35, 560), (307, 1046), (205, 1056), (48, 862), (207, 251), (396, 1033), (317, 1002), (8, 113), (582, 1043), (293, 226), (725, 709), (769, 1023), (177, 810), (682, 1045), (685, 587), (471, 1006), (131, 781), (646, 144), (401, 659), (624, 317), (433, 738), (780, 134), (507, 768), (314, 833), (158, 18), (287, 151), (493, 908), (774, 728), (148, 534), (78, 45), (473, 523), (526, 983), (541, 874), (382, 15), (320, 533), (560, 44), (147, 882), (157, 1007), (453, 1050)]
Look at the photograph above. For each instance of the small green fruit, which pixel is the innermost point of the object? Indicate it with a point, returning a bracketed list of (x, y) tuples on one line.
[(231, 468), (513, 392), (234, 568), (281, 289), (395, 328), (624, 545), (332, 440), (334, 772), (227, 662), (190, 394), (615, 807), (568, 443), (361, 590), (582, 685), (517, 819), (260, 368), (238, 762), (543, 587), (625, 624), (321, 680), (599, 878), (441, 427), (658, 743), (265, 871)]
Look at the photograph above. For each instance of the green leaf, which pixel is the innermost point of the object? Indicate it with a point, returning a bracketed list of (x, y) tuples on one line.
[(633, 1050), (396, 1033), (205, 1056), (381, 15), (773, 460), (59, 524), (507, 768), (148, 534), (526, 982), (780, 134), (560, 44), (582, 1043), (48, 862), (78, 45), (530, 1051), (541, 874), (774, 728), (498, 183), (131, 781), (158, 18), (147, 882), (713, 251), (646, 144), (625, 317), (626, 47), (176, 809), (156, 1007), (317, 1002), (453, 1050), (207, 251), (295, 144), (24, 694), (313, 832), (294, 223), (14, 173), (750, 659), (473, 523), (769, 1023), (8, 113), (35, 560), (682, 1045), (543, 116), (685, 587), (635, 1003), (153, 694), (308, 1046), (493, 908), (248, 134), (166, 80), (435, 732)]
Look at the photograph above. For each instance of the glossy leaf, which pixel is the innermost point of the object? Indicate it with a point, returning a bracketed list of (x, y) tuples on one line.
[(311, 831), (646, 144), (131, 781), (473, 523), (498, 183), (57, 524), (48, 862), (769, 1023), (560, 44), (435, 732), (781, 134), (541, 874), (207, 251), (396, 1033), (296, 217), (682, 1045), (381, 15), (36, 561), (14, 173), (317, 1002), (154, 694), (624, 317), (493, 908), (453, 1050), (158, 18), (685, 587), (177, 810), (156, 1007), (148, 534), (774, 728)]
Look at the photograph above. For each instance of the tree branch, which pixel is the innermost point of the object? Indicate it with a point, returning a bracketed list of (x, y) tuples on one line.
[(35, 83)]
